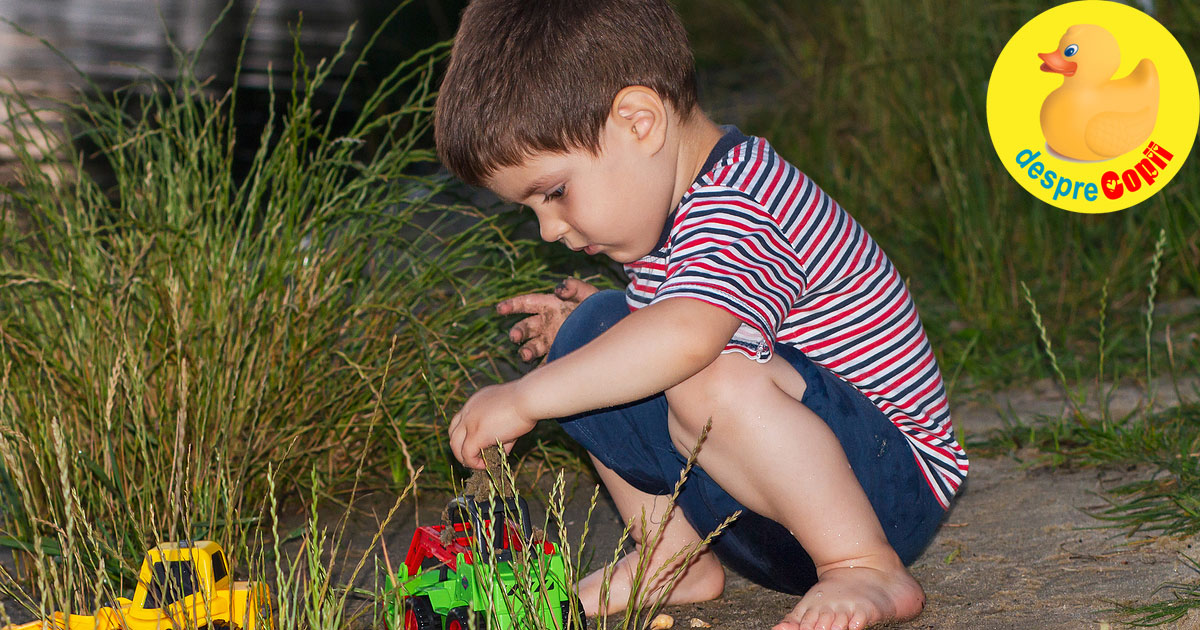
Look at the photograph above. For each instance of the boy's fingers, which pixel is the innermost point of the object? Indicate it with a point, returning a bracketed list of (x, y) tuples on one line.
[(565, 288), (527, 328), (568, 288), (574, 289), (528, 303), (456, 440), (474, 460), (465, 454), (534, 349)]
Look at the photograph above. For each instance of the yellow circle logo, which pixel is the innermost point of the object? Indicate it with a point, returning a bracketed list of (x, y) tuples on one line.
[(1093, 106)]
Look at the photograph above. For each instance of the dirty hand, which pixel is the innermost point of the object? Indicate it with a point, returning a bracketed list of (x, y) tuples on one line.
[(493, 414), (548, 312)]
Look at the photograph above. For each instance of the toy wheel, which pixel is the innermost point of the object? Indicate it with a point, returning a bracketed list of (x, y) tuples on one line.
[(460, 619), (418, 614), (458, 511), (566, 614)]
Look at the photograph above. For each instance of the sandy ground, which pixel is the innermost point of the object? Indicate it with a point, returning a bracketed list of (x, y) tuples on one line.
[(1015, 552), (1018, 549)]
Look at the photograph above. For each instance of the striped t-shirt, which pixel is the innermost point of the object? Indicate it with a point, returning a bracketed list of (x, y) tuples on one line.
[(756, 237)]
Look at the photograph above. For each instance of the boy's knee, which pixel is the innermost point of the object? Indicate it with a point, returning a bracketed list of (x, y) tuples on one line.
[(593, 316), (713, 392), (729, 386)]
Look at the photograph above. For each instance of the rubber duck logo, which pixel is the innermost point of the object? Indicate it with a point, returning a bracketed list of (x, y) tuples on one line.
[(1092, 116), (1105, 120)]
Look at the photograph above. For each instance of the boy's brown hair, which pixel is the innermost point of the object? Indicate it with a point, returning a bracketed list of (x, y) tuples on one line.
[(531, 76)]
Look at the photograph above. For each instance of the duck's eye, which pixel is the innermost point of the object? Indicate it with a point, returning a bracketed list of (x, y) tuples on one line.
[(1071, 50)]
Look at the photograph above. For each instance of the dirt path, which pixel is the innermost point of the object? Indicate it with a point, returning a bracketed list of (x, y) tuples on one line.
[(1018, 550), (1015, 552)]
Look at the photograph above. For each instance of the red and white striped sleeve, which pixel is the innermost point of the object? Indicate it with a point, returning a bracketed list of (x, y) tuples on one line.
[(728, 251)]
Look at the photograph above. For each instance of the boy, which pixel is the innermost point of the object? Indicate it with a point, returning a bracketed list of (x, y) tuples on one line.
[(754, 302)]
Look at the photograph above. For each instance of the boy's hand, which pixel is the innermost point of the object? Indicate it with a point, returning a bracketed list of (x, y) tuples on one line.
[(493, 414), (549, 312)]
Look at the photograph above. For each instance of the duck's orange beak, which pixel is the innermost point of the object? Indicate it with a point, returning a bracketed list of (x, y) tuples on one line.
[(1056, 62)]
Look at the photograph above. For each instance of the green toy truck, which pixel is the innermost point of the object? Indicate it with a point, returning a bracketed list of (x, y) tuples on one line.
[(459, 585)]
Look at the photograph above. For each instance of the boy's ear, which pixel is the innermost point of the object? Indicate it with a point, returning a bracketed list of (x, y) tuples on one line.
[(639, 112)]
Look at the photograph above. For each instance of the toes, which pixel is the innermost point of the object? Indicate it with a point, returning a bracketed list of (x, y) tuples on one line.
[(858, 621), (794, 620), (822, 620), (811, 619)]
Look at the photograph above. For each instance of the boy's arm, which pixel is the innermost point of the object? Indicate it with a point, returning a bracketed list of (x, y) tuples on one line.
[(649, 351)]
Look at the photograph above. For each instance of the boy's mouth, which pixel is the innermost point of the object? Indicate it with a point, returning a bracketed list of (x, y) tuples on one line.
[(587, 249)]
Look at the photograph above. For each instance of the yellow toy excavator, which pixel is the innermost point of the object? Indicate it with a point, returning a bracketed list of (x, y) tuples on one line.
[(181, 585)]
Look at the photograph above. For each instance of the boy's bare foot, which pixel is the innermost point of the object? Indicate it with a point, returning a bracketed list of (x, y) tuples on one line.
[(702, 581), (851, 597)]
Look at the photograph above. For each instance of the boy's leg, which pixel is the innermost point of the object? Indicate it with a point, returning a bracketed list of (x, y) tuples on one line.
[(633, 440), (800, 476), (649, 523)]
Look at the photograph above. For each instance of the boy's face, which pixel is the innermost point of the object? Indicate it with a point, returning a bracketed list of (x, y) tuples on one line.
[(613, 203)]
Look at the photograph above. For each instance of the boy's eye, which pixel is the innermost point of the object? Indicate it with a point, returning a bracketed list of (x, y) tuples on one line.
[(555, 194)]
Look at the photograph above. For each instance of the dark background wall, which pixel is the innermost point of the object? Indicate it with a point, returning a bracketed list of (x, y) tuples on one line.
[(115, 41)]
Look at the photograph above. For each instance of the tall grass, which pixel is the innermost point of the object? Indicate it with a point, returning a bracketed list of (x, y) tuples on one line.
[(883, 104), (174, 323)]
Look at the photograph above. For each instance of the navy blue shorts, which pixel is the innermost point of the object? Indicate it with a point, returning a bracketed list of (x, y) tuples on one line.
[(633, 441)]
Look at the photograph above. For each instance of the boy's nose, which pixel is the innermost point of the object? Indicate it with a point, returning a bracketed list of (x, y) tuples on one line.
[(552, 229)]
